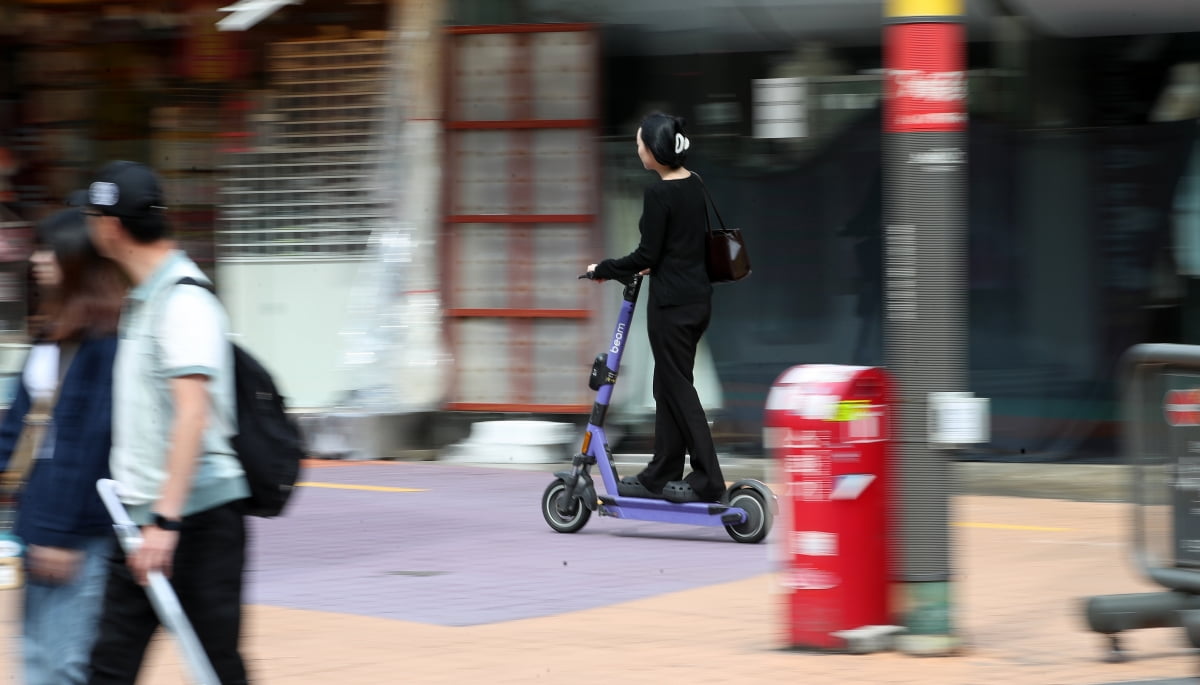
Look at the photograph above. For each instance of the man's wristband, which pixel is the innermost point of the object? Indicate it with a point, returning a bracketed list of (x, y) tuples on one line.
[(165, 523)]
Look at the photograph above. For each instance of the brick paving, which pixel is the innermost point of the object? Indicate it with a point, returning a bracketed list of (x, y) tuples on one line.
[(462, 582)]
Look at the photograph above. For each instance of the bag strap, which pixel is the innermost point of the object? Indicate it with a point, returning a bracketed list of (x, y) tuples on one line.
[(20, 466), (66, 355), (708, 198)]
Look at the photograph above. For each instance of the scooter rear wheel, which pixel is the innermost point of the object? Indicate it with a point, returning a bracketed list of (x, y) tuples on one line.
[(563, 523), (758, 516)]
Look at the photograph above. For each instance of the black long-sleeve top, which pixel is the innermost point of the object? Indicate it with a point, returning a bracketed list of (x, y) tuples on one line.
[(673, 244)]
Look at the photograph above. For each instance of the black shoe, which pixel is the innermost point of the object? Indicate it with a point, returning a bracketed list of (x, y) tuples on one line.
[(679, 492), (630, 486)]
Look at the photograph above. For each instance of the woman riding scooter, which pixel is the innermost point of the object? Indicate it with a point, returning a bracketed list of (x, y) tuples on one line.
[(672, 250)]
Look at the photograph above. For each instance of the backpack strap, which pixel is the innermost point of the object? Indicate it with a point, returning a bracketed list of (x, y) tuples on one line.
[(188, 280), (155, 305), (155, 308)]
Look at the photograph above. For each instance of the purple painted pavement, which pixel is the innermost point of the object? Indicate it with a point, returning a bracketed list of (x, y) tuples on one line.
[(473, 548)]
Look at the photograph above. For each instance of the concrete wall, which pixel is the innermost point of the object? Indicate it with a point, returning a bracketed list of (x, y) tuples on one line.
[(290, 315)]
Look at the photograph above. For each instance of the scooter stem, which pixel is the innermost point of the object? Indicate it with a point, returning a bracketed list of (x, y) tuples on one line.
[(616, 347)]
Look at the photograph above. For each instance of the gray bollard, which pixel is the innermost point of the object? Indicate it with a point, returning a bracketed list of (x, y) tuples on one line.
[(1190, 619), (1110, 614)]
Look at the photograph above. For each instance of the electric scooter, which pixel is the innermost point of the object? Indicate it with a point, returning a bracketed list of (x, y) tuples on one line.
[(745, 510)]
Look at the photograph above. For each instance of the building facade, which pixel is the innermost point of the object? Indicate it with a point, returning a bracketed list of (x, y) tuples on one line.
[(396, 218)]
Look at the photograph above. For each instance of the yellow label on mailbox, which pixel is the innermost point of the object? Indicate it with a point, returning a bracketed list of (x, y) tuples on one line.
[(849, 410)]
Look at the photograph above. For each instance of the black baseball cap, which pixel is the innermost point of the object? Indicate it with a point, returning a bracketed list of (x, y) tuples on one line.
[(125, 189)]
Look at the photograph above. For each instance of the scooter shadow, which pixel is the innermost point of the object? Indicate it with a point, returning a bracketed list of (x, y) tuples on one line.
[(683, 535)]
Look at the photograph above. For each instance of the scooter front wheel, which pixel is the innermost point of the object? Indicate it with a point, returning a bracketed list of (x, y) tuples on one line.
[(758, 516), (574, 515)]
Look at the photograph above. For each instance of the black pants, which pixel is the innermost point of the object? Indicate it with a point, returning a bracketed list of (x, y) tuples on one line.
[(679, 421), (207, 576)]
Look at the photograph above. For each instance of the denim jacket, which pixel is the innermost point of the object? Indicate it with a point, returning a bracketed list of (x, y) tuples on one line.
[(59, 506)]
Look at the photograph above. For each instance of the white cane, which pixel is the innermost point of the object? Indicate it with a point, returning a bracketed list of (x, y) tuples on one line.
[(161, 594)]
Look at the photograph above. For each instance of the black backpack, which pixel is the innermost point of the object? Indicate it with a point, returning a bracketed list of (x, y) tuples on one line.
[(269, 443)]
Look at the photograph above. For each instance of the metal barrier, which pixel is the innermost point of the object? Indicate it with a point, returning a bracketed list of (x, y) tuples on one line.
[(1160, 412)]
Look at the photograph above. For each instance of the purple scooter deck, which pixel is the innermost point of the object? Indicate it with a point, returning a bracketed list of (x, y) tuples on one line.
[(694, 513)]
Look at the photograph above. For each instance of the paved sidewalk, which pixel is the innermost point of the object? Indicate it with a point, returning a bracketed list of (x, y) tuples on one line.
[(429, 573), (1070, 481)]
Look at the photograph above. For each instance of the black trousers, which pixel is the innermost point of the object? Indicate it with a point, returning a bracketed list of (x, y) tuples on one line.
[(679, 422), (207, 577)]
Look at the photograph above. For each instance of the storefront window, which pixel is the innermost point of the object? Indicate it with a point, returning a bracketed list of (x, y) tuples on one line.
[(1072, 187)]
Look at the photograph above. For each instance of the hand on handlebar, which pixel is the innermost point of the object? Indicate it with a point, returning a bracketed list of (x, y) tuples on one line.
[(590, 274)]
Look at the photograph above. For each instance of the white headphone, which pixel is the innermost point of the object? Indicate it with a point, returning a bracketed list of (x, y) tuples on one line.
[(681, 143)]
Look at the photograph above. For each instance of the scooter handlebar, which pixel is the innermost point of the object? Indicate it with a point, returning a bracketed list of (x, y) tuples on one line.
[(623, 280)]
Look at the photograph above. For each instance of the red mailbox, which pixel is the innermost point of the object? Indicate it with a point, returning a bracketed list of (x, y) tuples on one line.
[(827, 429)]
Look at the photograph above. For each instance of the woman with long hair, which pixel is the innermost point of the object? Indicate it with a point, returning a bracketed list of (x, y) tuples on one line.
[(60, 518), (672, 251)]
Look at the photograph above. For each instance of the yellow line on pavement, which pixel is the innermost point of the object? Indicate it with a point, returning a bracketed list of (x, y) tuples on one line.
[(1010, 526), (344, 486)]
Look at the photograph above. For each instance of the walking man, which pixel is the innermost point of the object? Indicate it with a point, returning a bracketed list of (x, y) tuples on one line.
[(173, 417)]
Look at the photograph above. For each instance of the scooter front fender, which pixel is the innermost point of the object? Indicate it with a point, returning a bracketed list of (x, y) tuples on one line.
[(580, 486)]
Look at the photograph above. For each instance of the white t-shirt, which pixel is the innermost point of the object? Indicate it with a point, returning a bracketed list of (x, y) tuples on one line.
[(41, 380), (191, 334), (169, 330), (41, 371)]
